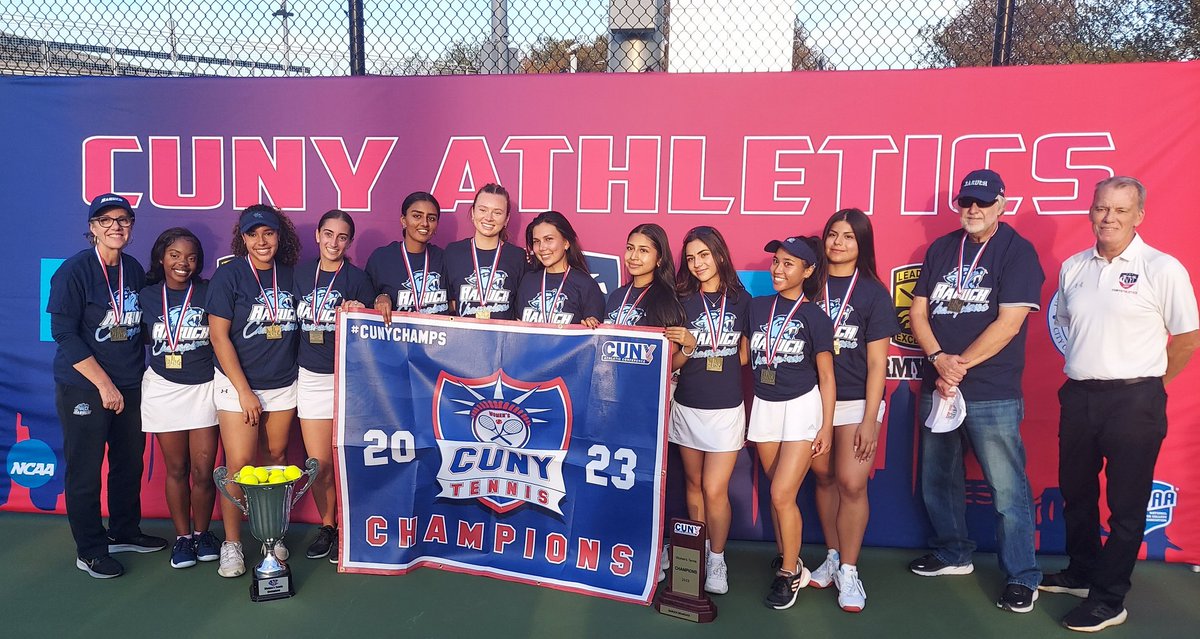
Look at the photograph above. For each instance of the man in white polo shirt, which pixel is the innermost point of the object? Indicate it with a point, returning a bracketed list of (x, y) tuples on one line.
[(1118, 300)]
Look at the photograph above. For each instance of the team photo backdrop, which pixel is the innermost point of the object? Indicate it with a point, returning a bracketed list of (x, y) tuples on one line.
[(760, 156)]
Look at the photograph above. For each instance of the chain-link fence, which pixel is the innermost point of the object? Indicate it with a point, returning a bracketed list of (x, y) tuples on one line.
[(436, 37)]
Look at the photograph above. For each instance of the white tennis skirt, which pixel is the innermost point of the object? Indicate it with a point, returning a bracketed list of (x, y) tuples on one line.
[(793, 420), (275, 399), (314, 395), (851, 412), (718, 430), (168, 407)]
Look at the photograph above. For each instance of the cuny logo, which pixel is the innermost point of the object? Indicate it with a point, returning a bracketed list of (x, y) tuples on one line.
[(31, 463), (904, 280), (1161, 509), (627, 352), (691, 530), (502, 440)]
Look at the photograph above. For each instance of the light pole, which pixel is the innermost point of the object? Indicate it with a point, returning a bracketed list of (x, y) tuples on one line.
[(287, 50)]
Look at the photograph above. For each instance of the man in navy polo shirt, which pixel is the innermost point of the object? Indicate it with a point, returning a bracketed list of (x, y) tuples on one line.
[(1119, 301), (976, 287)]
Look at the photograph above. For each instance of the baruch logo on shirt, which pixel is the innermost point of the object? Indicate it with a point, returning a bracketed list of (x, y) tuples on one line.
[(193, 335), (131, 318), (538, 311), (846, 335), (497, 294), (285, 315), (327, 314), (729, 337), (502, 440), (974, 296), (433, 296), (791, 349), (904, 280)]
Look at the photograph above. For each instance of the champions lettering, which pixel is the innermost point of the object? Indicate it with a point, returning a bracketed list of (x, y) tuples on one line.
[(399, 334), (502, 539), (472, 471)]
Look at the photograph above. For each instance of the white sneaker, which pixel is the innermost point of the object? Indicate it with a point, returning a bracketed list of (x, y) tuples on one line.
[(717, 579), (666, 562), (281, 551), (851, 595), (827, 571), (233, 563)]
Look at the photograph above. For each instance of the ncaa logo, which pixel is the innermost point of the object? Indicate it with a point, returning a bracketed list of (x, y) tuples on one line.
[(1127, 280), (31, 463), (904, 280), (1058, 334), (1161, 509), (503, 441)]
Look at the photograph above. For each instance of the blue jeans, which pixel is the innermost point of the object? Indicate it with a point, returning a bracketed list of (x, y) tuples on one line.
[(993, 428)]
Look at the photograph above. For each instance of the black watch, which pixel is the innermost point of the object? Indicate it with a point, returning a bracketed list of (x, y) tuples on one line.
[(932, 357)]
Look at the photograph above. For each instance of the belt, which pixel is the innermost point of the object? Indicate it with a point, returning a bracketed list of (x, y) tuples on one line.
[(1109, 384)]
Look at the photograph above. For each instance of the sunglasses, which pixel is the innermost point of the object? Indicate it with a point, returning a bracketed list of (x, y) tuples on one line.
[(966, 202)]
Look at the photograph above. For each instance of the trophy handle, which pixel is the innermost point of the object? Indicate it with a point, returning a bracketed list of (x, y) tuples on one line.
[(221, 478), (311, 473)]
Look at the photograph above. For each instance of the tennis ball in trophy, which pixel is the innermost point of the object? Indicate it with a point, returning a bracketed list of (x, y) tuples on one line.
[(276, 478), (291, 472), (262, 474), (246, 471), (249, 480)]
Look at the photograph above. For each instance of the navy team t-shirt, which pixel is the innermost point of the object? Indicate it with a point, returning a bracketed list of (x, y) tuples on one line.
[(1008, 273), (810, 331), (574, 300), (82, 319), (699, 387), (623, 307), (869, 316), (504, 283), (193, 347), (233, 294), (351, 283), (389, 274)]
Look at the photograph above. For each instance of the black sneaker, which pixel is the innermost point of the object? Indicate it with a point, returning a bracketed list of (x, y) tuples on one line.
[(208, 547), (1017, 598), (785, 587), (777, 563), (1066, 584), (183, 553), (1093, 616), (136, 543), (326, 538), (930, 566), (102, 567)]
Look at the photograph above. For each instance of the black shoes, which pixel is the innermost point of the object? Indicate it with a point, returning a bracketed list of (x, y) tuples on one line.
[(1017, 598), (137, 543), (1093, 616), (325, 541), (103, 567), (1065, 583)]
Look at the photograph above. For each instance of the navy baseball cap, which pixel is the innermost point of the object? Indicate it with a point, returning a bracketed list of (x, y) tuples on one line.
[(108, 201), (258, 217), (796, 246), (984, 185)]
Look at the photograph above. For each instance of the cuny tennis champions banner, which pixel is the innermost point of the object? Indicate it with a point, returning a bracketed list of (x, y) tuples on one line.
[(759, 156), (527, 453)]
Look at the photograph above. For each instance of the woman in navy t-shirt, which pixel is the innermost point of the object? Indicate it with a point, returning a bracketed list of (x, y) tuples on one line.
[(252, 317), (649, 297), (485, 270), (791, 344), (322, 286), (561, 289), (410, 275), (177, 390), (708, 418), (864, 321)]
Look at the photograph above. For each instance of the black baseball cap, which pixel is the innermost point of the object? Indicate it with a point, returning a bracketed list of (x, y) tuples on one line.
[(258, 217), (796, 246), (109, 201), (984, 185)]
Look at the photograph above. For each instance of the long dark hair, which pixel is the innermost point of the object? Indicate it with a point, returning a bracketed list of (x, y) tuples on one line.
[(165, 239), (864, 235), (559, 221), (687, 284), (421, 196), (288, 252), (815, 285), (495, 189), (661, 304)]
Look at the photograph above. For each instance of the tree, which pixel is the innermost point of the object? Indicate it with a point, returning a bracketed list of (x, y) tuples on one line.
[(553, 55), (804, 56), (462, 58)]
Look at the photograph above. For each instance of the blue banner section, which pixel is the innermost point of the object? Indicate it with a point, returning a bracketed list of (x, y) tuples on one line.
[(521, 452)]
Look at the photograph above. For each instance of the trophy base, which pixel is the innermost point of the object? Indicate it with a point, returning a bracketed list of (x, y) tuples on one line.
[(270, 588), (685, 607)]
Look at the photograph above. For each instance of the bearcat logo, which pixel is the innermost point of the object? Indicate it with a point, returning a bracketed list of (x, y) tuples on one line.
[(502, 440), (904, 280), (1161, 509)]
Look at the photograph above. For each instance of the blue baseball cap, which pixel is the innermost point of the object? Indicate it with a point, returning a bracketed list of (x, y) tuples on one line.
[(796, 246), (109, 201), (258, 217), (984, 185)]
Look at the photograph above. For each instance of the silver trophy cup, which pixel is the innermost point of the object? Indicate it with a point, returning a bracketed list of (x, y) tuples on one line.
[(269, 508)]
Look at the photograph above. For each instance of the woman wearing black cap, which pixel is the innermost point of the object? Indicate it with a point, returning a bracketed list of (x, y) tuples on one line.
[(253, 328), (95, 318), (791, 355)]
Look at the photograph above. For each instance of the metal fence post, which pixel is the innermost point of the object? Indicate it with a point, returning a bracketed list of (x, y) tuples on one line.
[(1002, 44), (358, 60)]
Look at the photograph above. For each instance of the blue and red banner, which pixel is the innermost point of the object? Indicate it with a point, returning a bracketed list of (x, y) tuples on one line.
[(528, 453)]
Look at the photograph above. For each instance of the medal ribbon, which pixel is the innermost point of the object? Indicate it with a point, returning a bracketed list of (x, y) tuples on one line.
[(622, 314), (173, 336), (960, 281), (547, 313), (116, 301), (412, 280), (317, 308), (479, 277), (715, 332), (773, 346), (841, 315), (273, 304)]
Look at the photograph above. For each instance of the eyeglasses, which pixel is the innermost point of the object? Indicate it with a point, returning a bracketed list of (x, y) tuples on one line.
[(966, 202), (106, 222)]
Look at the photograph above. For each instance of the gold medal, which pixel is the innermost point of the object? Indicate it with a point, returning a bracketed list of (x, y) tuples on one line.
[(274, 331), (316, 337), (955, 305), (174, 360), (768, 376), (713, 364), (118, 334), (837, 347), (483, 314)]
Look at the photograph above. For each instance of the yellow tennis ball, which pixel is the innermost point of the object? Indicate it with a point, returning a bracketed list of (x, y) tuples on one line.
[(246, 471), (276, 478), (291, 472), (249, 480), (262, 474)]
